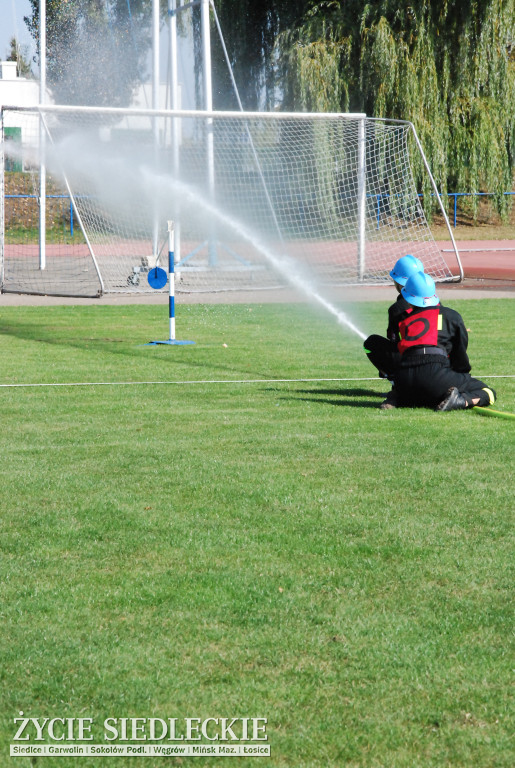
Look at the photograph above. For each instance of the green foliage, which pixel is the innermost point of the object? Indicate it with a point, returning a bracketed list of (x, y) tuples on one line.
[(448, 67), (250, 30), (18, 53)]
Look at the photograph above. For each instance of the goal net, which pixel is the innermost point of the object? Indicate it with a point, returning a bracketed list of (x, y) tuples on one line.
[(253, 197)]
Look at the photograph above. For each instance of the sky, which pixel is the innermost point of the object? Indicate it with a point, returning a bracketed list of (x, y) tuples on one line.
[(12, 25)]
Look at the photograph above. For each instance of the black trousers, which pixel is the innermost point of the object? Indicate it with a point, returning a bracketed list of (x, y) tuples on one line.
[(383, 354), (423, 380), (426, 383)]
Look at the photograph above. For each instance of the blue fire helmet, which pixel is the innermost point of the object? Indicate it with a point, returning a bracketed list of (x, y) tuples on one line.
[(420, 290), (405, 267)]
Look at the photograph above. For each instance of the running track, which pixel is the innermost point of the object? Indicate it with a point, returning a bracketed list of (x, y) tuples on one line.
[(483, 259)]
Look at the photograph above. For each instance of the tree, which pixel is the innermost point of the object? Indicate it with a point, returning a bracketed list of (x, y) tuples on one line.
[(96, 49), (19, 54), (447, 66), (250, 32)]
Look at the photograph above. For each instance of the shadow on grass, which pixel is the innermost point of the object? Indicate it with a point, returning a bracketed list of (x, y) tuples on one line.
[(326, 401), (53, 336), (354, 392), (341, 397)]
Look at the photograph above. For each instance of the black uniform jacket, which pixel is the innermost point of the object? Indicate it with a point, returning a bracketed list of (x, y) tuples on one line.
[(452, 335), (395, 314)]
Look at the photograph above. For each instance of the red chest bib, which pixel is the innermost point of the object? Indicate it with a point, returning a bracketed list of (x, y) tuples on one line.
[(419, 329)]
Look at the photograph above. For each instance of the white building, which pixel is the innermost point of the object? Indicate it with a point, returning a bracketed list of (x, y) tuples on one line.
[(16, 91)]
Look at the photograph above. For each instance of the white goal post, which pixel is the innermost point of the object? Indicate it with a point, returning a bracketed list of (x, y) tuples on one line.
[(331, 193)]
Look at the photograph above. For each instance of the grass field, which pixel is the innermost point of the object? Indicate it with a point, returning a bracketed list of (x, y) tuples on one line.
[(275, 549)]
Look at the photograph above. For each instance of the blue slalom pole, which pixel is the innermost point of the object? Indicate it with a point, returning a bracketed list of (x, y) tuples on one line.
[(171, 284), (158, 282)]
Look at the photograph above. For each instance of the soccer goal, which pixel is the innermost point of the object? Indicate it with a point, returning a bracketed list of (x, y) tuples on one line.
[(331, 194)]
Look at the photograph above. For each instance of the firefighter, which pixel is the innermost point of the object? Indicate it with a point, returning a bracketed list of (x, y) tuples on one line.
[(429, 365), (402, 270)]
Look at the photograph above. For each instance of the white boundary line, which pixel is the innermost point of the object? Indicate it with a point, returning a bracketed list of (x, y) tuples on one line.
[(383, 382)]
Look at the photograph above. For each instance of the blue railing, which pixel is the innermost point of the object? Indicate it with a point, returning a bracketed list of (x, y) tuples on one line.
[(469, 194), (48, 197), (385, 196), (379, 197)]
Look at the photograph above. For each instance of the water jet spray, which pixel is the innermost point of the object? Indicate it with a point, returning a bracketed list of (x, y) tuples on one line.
[(283, 264)]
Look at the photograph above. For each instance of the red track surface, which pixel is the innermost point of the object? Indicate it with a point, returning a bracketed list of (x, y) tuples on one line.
[(483, 259)]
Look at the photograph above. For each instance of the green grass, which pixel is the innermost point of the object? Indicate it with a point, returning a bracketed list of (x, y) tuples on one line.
[(58, 233), (278, 549)]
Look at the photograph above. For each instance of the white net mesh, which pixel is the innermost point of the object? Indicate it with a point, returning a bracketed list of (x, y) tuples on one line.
[(251, 196)]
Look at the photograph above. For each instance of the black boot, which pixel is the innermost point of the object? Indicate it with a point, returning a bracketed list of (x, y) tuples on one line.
[(390, 402), (454, 401)]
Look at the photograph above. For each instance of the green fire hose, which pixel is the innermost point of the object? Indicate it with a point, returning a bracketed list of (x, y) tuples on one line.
[(491, 412)]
